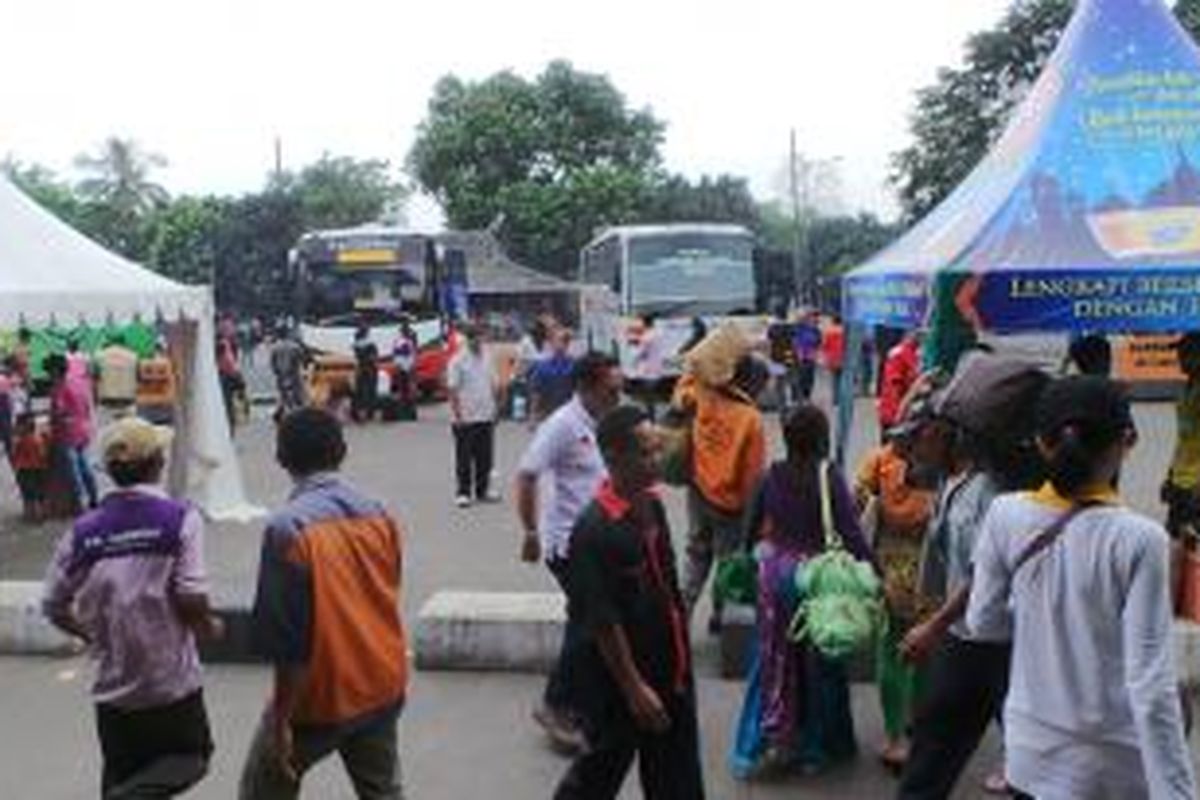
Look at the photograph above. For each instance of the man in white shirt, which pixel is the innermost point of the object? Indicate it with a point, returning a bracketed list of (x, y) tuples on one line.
[(564, 449), (473, 387)]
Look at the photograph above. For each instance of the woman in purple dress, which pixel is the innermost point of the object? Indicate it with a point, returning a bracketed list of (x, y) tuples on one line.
[(797, 709)]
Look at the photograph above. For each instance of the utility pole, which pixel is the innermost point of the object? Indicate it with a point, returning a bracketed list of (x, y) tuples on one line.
[(797, 236), (278, 158)]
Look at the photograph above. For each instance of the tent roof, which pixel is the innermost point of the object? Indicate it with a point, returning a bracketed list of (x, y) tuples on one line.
[(51, 272), (1086, 212)]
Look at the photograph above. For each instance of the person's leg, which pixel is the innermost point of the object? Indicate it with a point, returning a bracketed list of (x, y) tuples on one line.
[(557, 694), (372, 760), (87, 476), (485, 443), (462, 459), (669, 763), (967, 684), (699, 550), (597, 773), (262, 777), (895, 695), (155, 752), (808, 377)]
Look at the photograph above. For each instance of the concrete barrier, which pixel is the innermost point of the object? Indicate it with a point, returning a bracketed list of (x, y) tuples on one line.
[(23, 628), (519, 632)]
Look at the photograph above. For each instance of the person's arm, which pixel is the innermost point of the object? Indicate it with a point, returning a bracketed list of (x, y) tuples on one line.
[(754, 461), (1150, 675), (755, 520), (282, 620), (59, 588), (527, 513), (645, 705), (189, 582), (453, 383), (925, 637), (988, 611)]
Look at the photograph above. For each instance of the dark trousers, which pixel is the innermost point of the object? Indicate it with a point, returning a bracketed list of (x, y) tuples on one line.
[(668, 763), (153, 752), (965, 692), (366, 395), (558, 686), (473, 447)]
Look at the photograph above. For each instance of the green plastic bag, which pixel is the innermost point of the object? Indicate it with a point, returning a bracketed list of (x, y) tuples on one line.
[(841, 608), (736, 581)]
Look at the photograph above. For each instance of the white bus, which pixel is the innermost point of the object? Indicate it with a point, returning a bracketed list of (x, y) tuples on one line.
[(675, 273)]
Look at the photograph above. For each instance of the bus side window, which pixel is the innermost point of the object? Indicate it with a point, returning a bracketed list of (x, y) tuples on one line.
[(602, 264)]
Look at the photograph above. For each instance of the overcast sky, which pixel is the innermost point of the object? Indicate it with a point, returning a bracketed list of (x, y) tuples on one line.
[(210, 84)]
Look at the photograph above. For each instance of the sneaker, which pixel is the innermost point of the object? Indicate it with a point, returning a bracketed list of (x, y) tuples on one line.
[(462, 501), (564, 734), (491, 496)]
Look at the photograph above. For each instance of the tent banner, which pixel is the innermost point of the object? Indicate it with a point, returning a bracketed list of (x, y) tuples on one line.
[(1144, 300), (900, 301)]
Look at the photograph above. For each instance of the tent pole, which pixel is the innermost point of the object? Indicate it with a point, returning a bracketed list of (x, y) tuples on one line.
[(848, 388)]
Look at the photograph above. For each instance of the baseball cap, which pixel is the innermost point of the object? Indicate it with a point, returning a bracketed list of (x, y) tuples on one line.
[(132, 440), (1090, 402)]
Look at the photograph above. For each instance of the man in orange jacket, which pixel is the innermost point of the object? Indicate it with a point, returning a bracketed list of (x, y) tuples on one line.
[(728, 458)]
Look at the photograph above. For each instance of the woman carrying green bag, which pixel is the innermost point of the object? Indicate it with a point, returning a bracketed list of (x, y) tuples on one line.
[(802, 698)]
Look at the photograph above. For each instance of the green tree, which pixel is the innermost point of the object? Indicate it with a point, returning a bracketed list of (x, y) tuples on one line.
[(554, 158), (340, 191), (957, 119), (724, 198), (184, 237), (119, 175), (44, 186)]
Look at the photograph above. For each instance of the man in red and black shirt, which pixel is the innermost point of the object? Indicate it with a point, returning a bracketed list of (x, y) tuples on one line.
[(633, 681)]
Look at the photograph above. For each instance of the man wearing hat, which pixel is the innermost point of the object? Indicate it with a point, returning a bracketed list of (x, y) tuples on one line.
[(129, 580), (1181, 490)]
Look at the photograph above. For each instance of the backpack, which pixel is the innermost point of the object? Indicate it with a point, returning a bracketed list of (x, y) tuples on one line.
[(841, 606)]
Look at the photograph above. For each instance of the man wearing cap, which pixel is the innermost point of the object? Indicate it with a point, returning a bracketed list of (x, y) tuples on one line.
[(129, 580), (1181, 491)]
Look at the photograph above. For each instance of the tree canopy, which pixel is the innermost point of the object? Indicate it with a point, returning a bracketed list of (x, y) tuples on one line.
[(552, 160), (957, 119)]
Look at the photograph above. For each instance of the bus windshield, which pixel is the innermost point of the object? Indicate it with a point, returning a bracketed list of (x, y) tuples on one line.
[(343, 278), (691, 273)]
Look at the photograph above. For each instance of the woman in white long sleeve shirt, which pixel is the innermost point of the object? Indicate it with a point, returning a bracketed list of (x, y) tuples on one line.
[(1093, 708)]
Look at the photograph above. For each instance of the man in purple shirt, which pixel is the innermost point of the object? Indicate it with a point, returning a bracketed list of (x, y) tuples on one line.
[(129, 580)]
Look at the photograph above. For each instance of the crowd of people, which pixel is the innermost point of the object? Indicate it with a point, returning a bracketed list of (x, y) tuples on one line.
[(1011, 584), (50, 411)]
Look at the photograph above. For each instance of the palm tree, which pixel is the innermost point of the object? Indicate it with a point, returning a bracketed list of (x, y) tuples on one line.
[(119, 176)]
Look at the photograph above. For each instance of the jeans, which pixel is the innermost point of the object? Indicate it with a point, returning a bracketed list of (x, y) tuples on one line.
[(83, 480), (473, 446), (368, 752), (965, 693)]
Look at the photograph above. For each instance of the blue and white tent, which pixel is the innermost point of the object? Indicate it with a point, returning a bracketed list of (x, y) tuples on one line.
[(1086, 213)]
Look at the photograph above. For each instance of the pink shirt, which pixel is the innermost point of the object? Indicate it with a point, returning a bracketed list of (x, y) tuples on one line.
[(71, 414)]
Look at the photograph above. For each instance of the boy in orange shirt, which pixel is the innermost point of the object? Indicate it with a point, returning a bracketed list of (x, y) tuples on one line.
[(30, 461)]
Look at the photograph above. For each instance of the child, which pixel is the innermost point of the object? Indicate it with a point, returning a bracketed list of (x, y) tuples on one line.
[(129, 580), (30, 457)]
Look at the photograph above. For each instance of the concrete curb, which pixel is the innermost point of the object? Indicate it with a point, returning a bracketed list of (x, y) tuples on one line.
[(24, 630), (518, 632)]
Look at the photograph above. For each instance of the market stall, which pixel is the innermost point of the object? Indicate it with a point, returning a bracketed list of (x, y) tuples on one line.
[(51, 276)]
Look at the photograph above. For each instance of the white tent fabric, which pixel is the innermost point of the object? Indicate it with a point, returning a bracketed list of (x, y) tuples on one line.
[(50, 273)]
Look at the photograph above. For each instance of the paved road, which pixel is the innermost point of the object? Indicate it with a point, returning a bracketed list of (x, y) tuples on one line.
[(464, 735)]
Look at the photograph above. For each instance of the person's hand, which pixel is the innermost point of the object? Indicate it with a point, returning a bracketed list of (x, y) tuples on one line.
[(531, 548), (647, 709), (214, 628), (921, 642), (285, 749)]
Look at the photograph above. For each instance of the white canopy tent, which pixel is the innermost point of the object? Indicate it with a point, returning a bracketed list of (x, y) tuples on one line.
[(52, 274)]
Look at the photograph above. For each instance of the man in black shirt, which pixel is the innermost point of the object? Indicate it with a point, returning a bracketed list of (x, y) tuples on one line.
[(634, 684)]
